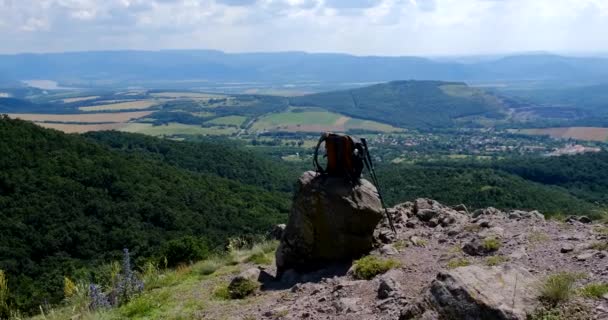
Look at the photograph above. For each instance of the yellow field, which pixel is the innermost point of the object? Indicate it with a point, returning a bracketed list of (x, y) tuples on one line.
[(131, 105), (78, 99), (176, 129), (81, 128), (82, 118)]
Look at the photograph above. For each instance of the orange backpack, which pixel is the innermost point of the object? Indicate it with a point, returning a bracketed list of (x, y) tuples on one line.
[(345, 156)]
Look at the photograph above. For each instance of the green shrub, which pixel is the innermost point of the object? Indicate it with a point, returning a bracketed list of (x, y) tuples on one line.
[(458, 262), (491, 244), (242, 288), (187, 249), (558, 287), (496, 260), (594, 290), (371, 266)]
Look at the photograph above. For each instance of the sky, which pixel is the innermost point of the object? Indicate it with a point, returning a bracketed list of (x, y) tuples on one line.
[(360, 27)]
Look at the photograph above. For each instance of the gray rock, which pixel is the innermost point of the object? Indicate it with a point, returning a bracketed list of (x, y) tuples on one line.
[(347, 305), (330, 220), (514, 215), (426, 214), (476, 247), (584, 219), (486, 212), (519, 253), (461, 207), (389, 250), (389, 284), (567, 248), (586, 255), (505, 292)]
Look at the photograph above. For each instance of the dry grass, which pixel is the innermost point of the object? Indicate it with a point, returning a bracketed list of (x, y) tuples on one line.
[(82, 118), (81, 128), (131, 105), (78, 99)]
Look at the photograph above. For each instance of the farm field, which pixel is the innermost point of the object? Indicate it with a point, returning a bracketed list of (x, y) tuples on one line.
[(229, 121), (80, 128), (579, 133), (176, 129), (315, 120), (79, 99), (130, 105), (188, 95), (82, 118)]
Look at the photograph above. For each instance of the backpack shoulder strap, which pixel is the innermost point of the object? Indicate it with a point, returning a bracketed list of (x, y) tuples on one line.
[(315, 159)]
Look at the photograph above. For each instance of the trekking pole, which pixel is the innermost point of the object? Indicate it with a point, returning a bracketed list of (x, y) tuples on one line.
[(372, 171)]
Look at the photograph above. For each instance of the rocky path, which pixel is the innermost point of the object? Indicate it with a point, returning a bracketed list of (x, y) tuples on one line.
[(486, 265)]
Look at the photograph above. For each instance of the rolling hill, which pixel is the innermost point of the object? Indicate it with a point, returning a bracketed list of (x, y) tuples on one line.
[(409, 104)]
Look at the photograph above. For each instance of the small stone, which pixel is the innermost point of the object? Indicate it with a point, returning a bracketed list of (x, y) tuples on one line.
[(347, 305), (585, 255), (388, 250), (514, 215), (426, 214), (433, 223), (605, 296), (484, 224), (567, 248), (389, 285), (410, 224)]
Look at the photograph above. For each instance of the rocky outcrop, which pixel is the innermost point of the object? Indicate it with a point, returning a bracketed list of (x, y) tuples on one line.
[(474, 292), (331, 220)]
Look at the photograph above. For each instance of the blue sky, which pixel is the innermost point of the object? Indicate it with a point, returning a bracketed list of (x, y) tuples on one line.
[(362, 27)]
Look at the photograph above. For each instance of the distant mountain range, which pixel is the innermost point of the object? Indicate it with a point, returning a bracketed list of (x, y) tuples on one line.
[(150, 68)]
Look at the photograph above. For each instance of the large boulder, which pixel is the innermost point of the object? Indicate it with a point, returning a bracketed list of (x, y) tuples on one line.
[(331, 220), (478, 293)]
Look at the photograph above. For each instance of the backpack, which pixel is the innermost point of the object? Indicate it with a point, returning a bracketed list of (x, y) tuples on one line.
[(345, 156)]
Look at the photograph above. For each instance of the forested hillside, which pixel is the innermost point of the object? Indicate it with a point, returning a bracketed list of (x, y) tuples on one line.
[(69, 204), (223, 160), (408, 104), (477, 188)]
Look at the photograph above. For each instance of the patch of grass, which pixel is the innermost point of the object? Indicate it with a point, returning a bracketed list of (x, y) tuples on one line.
[(145, 305), (370, 266), (601, 246), (558, 287), (602, 230), (259, 258), (419, 242), (242, 288), (491, 244), (221, 292), (594, 290), (455, 249), (495, 260), (401, 244), (458, 262), (234, 121), (208, 267)]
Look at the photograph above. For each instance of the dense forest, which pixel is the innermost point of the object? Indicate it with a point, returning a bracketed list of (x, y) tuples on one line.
[(477, 188), (67, 204)]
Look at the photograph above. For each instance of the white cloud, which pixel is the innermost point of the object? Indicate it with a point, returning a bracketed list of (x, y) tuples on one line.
[(388, 27)]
